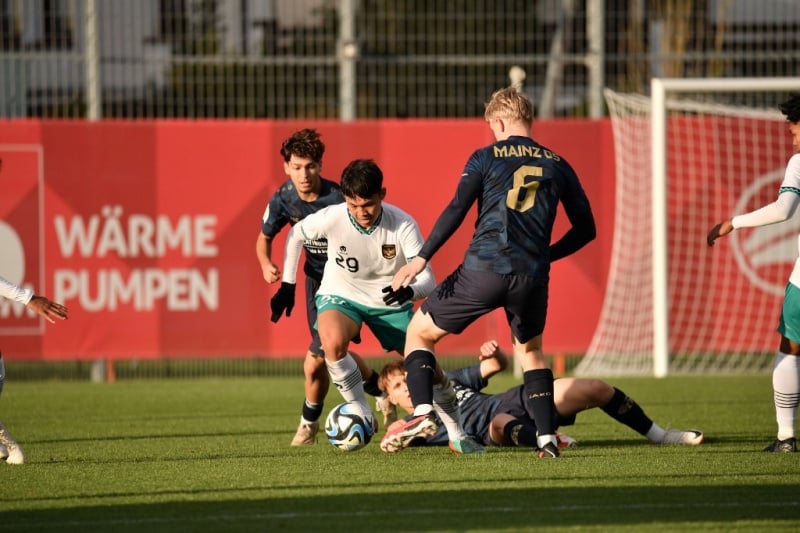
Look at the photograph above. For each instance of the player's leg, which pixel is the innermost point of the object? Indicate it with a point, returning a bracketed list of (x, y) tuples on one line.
[(786, 373), (573, 395), (526, 312), (10, 450), (316, 380), (338, 322), (457, 302), (370, 382), (316, 385), (538, 386)]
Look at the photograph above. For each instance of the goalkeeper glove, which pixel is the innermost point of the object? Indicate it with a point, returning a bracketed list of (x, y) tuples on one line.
[(282, 300), (399, 297)]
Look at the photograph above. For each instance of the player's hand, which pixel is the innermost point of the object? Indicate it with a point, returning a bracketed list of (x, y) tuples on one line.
[(489, 349), (48, 308), (272, 273), (399, 297), (720, 230), (283, 300), (406, 274)]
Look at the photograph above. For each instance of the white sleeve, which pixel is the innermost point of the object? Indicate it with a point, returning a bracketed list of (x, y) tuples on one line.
[(13, 292), (781, 209), (411, 239), (291, 256)]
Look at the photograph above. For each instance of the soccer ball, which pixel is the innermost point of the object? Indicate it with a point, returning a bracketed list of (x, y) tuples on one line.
[(348, 427)]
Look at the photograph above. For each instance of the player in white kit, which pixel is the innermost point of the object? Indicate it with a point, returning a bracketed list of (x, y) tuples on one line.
[(368, 242), (10, 450)]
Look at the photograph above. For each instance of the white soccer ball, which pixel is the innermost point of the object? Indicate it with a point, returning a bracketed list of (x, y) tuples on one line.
[(348, 427)]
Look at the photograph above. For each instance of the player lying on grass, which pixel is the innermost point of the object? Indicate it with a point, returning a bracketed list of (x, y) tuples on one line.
[(504, 419)]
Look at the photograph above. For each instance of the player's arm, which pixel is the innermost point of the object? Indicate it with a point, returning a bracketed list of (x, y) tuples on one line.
[(467, 192), (41, 305), (283, 299), (272, 221), (778, 211), (269, 270), (583, 229), (293, 249), (493, 359)]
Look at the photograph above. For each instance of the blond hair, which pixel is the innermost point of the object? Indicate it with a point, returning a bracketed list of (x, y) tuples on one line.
[(509, 104)]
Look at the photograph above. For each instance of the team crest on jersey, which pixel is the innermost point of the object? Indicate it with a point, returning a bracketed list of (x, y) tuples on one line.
[(389, 251)]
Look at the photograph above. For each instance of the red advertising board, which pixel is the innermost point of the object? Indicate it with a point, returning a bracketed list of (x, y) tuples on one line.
[(147, 230)]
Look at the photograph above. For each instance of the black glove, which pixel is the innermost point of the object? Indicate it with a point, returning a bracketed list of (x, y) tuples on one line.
[(282, 300), (399, 297)]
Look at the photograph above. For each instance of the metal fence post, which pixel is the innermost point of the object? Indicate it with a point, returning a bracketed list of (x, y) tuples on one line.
[(93, 94)]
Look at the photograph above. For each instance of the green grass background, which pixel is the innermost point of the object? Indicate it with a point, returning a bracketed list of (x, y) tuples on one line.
[(213, 455)]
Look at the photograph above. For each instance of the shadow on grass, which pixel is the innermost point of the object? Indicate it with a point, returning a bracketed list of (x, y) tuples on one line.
[(457, 510)]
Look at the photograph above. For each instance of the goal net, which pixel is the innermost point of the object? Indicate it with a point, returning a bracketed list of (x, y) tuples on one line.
[(689, 156)]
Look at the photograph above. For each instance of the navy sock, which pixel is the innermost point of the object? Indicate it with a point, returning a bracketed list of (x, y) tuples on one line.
[(420, 370), (623, 408), (521, 432), (539, 399), (312, 412)]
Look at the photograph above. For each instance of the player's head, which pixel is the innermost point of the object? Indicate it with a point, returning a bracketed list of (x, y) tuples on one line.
[(362, 187), (302, 159), (791, 108), (508, 108), (392, 381)]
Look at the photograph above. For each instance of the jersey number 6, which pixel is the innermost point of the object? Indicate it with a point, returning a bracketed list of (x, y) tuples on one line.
[(523, 193)]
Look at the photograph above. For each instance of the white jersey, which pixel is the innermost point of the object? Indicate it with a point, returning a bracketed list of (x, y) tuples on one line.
[(780, 210), (12, 292), (361, 262)]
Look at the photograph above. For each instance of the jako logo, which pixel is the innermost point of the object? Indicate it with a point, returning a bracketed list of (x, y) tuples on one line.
[(765, 255)]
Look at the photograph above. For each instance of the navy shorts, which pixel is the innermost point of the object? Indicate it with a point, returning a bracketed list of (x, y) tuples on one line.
[(467, 295), (312, 286), (512, 402)]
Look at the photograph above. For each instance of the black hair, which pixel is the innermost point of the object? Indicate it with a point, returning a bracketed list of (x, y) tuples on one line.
[(362, 178), (791, 108), (304, 143)]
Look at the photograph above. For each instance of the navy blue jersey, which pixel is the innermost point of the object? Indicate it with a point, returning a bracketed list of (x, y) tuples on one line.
[(286, 207), (476, 408), (518, 184)]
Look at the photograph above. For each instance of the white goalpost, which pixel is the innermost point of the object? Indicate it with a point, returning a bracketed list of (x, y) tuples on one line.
[(695, 152)]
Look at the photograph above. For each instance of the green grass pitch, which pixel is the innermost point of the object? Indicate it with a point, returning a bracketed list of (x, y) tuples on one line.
[(213, 455)]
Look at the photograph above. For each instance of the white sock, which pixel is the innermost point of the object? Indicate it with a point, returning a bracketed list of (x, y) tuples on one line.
[(345, 374), (446, 405), (422, 409), (656, 433), (786, 389), (541, 440)]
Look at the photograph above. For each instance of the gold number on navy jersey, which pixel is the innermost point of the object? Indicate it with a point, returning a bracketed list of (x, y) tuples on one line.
[(522, 194), (348, 263)]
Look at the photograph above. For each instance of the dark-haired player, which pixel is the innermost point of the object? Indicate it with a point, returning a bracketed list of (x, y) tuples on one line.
[(786, 372), (368, 241), (504, 419), (517, 184), (305, 192)]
